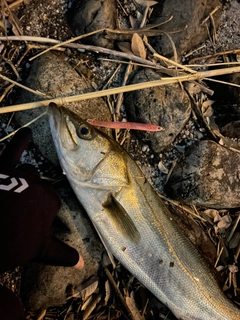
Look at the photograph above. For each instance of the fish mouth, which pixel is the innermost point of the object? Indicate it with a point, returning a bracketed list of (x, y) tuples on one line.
[(63, 127)]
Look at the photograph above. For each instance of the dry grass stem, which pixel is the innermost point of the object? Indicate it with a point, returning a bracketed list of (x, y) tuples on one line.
[(223, 82), (112, 76), (8, 61), (129, 62), (215, 55), (12, 18), (15, 4), (6, 91), (91, 95), (195, 50), (145, 13), (213, 64), (120, 95), (118, 292), (26, 125), (218, 257), (144, 30), (124, 11), (158, 56), (67, 42), (183, 207), (210, 14), (22, 86)]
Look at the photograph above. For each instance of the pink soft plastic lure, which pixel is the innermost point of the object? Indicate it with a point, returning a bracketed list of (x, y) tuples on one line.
[(126, 125)]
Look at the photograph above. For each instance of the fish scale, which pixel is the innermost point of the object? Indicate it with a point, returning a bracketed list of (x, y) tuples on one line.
[(134, 223)]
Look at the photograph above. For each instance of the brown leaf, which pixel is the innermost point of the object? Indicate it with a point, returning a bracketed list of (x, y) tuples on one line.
[(233, 268), (224, 223), (88, 291), (235, 240), (162, 168), (88, 288), (133, 22), (137, 46), (207, 109), (125, 47), (214, 214), (133, 308), (41, 314), (146, 3), (107, 292)]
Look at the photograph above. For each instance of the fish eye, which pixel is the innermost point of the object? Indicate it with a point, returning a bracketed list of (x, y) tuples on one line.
[(84, 132)]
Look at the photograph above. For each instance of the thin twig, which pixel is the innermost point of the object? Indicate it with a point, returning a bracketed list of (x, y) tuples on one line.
[(25, 125), (143, 22), (183, 207), (211, 13), (214, 55), (160, 57), (128, 62), (223, 82), (120, 95), (218, 257), (112, 76), (84, 47), (22, 86), (6, 91), (118, 292), (145, 29)]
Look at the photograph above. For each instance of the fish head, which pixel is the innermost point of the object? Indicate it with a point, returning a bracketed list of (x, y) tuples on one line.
[(79, 145)]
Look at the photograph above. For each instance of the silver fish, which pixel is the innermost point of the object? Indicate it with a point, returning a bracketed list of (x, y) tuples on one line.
[(133, 221)]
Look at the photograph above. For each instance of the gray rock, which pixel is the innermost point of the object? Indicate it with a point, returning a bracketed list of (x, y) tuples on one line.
[(90, 15), (232, 129), (44, 286), (187, 18), (207, 175), (51, 75), (167, 106)]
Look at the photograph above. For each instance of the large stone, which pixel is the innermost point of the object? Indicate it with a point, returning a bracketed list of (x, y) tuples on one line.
[(44, 286), (208, 175), (187, 18), (91, 15), (51, 75), (167, 106)]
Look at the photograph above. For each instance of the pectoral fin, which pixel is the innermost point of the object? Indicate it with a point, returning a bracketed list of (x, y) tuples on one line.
[(121, 219)]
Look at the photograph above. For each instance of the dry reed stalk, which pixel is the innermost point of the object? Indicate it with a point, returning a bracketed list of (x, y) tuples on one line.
[(138, 86)]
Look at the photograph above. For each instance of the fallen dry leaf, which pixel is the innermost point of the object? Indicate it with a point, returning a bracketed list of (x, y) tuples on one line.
[(207, 110), (225, 222), (162, 168), (146, 3), (125, 47), (133, 308), (138, 47)]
